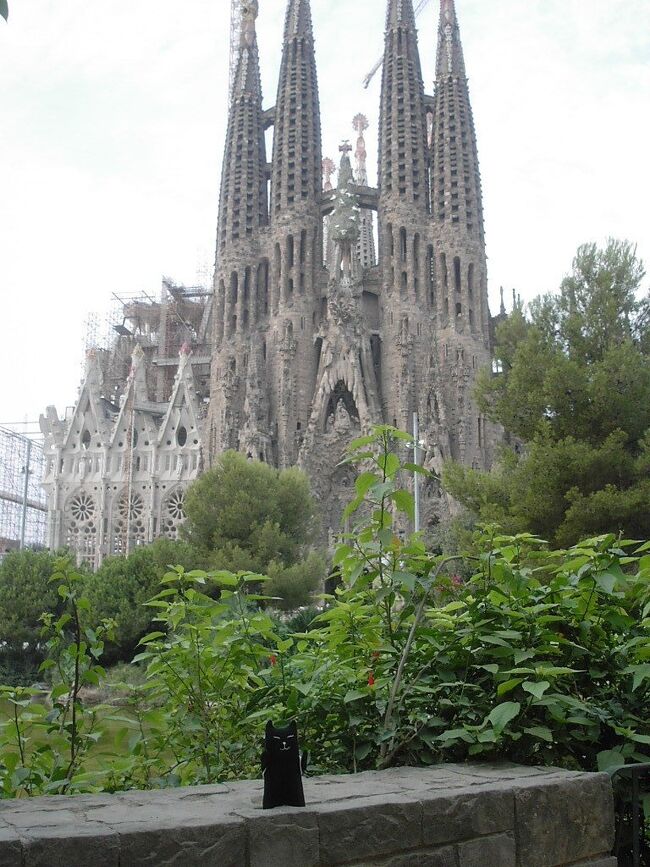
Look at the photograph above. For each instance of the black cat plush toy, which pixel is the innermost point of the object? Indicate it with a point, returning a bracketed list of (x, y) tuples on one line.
[(282, 768)]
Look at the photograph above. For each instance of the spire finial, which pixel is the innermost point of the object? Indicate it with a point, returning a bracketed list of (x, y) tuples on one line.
[(360, 124), (329, 167), (249, 12)]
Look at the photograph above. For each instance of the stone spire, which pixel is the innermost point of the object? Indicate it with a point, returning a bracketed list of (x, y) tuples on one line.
[(455, 179), (450, 59), (243, 202), (402, 131), (366, 246), (296, 170)]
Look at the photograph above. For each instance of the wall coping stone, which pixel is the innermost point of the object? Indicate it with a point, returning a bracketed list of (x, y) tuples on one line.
[(452, 815)]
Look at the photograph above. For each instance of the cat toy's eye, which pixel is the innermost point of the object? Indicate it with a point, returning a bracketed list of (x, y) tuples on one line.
[(276, 738), (290, 736)]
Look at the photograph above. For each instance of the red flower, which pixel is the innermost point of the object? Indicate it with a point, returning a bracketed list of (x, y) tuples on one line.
[(371, 679), (273, 659), (375, 654)]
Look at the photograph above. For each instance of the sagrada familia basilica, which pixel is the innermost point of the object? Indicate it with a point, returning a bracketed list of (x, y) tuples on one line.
[(333, 308)]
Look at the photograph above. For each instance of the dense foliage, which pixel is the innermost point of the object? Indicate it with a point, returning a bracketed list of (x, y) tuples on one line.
[(539, 656), (25, 593), (122, 585), (574, 396), (244, 515)]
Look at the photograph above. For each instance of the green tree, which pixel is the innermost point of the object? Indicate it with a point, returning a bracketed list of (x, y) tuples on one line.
[(573, 395), (244, 515), (122, 585), (25, 593)]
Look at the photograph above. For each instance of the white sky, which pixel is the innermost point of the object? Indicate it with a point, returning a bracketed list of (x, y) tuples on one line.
[(112, 119)]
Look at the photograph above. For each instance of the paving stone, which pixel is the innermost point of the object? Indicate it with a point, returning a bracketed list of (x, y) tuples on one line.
[(287, 838), (564, 820), (82, 845), (194, 844), (466, 814), (494, 851), (368, 828)]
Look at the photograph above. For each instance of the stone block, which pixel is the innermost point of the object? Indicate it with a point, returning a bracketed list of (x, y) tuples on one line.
[(494, 851), (11, 850), (466, 813), (86, 844), (443, 857), (605, 861), (287, 838), (368, 828), (564, 820), (192, 844)]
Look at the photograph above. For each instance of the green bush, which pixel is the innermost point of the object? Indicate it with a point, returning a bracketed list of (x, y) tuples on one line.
[(25, 593), (121, 587)]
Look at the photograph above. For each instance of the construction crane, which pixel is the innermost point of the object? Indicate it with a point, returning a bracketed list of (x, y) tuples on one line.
[(420, 5)]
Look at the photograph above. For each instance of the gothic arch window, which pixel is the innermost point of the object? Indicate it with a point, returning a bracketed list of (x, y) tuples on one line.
[(173, 513), (81, 527)]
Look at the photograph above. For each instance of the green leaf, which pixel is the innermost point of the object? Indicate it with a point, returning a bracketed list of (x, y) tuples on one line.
[(541, 732), (537, 689), (364, 482), (407, 579), (363, 750), (606, 581), (610, 760), (404, 502), (508, 686), (501, 715), (354, 695), (641, 672), (151, 636)]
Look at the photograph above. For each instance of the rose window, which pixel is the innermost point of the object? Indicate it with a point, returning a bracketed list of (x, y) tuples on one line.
[(175, 505), (131, 508), (82, 507)]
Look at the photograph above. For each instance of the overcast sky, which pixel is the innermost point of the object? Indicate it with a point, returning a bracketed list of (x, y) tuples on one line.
[(112, 119)]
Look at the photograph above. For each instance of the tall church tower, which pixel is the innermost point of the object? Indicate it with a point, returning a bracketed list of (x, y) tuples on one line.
[(314, 343)]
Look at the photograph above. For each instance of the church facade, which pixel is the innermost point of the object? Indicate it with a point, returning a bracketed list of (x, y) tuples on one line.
[(332, 310)]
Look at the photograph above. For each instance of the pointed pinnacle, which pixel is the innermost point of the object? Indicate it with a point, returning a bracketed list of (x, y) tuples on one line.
[(298, 20), (400, 14)]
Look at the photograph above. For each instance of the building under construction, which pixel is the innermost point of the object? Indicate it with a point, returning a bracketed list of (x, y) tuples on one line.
[(23, 507), (118, 464)]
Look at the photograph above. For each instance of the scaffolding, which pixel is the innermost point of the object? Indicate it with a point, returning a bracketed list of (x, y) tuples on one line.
[(23, 507)]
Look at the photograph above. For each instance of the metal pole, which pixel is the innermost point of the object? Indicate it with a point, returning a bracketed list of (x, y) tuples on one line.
[(23, 520), (416, 475)]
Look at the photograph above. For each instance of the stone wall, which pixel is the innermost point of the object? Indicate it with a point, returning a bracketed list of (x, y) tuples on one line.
[(446, 816)]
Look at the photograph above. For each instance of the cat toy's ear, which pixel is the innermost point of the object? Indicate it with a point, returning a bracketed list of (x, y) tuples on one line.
[(293, 726), (269, 727)]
